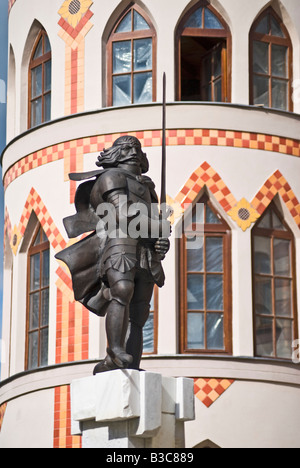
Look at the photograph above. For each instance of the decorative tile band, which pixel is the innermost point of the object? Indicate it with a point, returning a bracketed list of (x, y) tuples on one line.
[(243, 212), (209, 390), (62, 437), (153, 138)]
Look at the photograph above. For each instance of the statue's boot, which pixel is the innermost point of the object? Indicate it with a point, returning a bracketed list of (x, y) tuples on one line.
[(121, 359), (105, 365)]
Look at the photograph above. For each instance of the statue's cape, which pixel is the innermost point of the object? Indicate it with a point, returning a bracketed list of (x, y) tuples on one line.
[(84, 257)]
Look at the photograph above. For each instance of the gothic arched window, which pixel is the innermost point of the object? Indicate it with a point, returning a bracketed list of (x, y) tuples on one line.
[(274, 288), (131, 60), (205, 277), (40, 82), (203, 42), (37, 301), (270, 63)]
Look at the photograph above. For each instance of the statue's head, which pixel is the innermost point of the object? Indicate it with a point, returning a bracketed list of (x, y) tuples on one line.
[(125, 150)]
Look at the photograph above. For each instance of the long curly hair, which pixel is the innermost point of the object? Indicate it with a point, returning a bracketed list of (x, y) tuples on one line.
[(111, 157)]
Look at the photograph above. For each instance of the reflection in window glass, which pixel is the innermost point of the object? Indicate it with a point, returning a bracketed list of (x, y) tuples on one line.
[(132, 61), (273, 287), (205, 285), (38, 302), (40, 72), (270, 64)]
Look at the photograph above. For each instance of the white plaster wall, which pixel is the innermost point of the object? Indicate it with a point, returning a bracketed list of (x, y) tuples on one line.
[(29, 421), (249, 415)]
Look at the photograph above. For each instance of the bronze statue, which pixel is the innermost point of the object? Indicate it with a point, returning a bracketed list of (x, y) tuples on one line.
[(114, 270)]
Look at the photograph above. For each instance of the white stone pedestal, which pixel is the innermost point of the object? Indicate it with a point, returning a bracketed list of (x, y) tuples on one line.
[(131, 409)]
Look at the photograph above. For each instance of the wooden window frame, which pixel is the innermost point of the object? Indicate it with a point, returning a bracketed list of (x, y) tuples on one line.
[(33, 64), (33, 250), (213, 33), (210, 230), (275, 234), (131, 36), (269, 39)]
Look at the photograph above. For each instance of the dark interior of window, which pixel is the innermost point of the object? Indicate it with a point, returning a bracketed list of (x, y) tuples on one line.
[(201, 68)]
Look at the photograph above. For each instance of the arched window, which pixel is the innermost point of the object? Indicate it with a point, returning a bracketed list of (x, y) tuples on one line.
[(40, 82), (37, 301), (131, 60), (270, 63), (203, 56), (205, 277), (274, 288)]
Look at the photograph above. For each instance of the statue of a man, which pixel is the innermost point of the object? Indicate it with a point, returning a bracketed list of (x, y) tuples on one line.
[(114, 270)]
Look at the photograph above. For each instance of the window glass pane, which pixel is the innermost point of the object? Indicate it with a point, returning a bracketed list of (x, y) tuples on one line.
[(282, 260), (47, 107), (214, 254), (218, 91), (44, 237), (38, 238), (214, 292), (217, 68), (44, 347), (195, 259), (45, 307), (33, 343), (215, 331), (283, 298), (279, 94), (198, 214), (211, 218), (263, 295), (122, 57), (277, 224), (195, 20), (139, 23), (261, 91), (148, 334), (262, 255), (143, 54), (276, 28), (211, 21), (196, 331), (279, 61), (122, 90), (39, 49), (36, 82), (47, 76), (47, 47), (265, 223), (36, 112), (45, 275), (35, 272), (260, 57), (125, 25), (34, 310), (195, 293), (142, 88), (284, 338), (263, 26), (264, 337)]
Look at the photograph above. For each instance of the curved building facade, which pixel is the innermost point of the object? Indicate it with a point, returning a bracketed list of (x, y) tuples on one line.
[(80, 75)]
